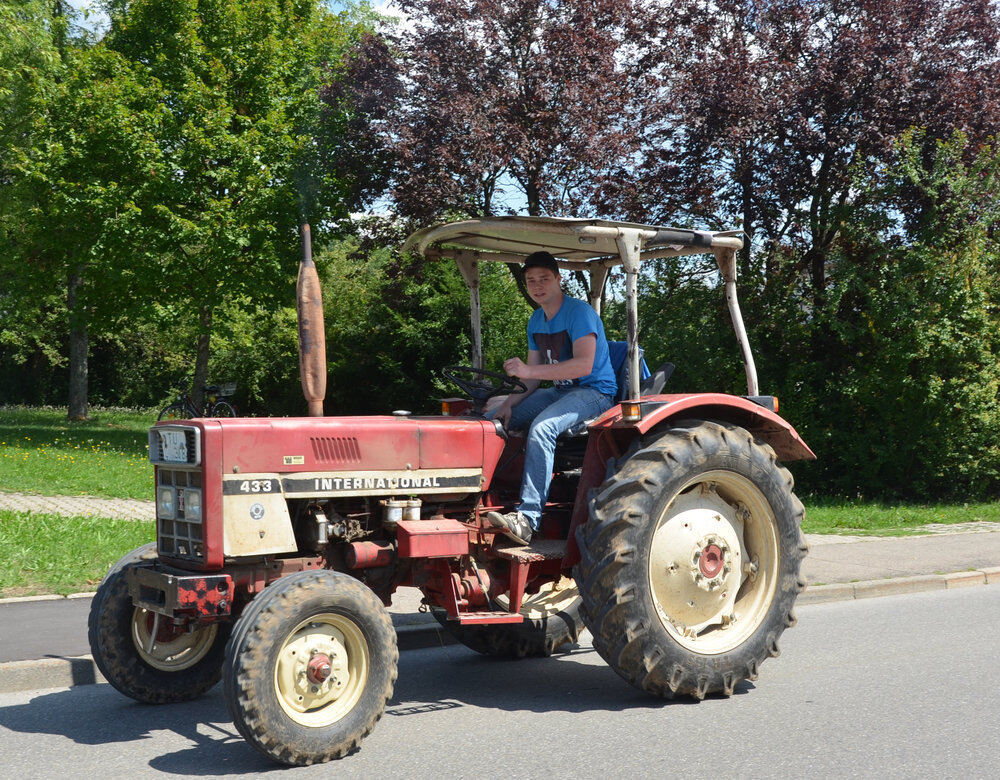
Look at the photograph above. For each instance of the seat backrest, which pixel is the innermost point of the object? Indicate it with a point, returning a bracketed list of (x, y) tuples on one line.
[(618, 353)]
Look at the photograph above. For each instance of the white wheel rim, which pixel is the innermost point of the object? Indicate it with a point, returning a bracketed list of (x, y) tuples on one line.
[(334, 644), (180, 651), (713, 563)]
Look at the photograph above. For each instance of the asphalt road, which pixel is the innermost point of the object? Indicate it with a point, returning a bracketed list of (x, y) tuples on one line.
[(900, 686)]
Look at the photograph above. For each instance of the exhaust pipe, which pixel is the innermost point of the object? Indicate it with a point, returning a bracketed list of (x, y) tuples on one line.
[(312, 335)]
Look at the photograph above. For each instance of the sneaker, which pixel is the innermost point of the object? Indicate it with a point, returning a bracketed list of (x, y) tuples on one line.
[(513, 525)]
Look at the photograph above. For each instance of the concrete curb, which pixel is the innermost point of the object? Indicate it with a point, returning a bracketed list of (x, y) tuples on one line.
[(845, 591), (46, 673), (42, 673)]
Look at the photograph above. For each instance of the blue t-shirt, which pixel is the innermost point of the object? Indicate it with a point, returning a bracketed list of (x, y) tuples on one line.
[(554, 340)]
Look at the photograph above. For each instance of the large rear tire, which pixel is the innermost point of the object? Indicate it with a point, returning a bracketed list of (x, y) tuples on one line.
[(552, 619), (690, 560), (310, 667), (147, 659)]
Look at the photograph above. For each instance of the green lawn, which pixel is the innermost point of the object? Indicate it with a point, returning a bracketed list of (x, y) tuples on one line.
[(826, 516), (42, 452), (54, 554)]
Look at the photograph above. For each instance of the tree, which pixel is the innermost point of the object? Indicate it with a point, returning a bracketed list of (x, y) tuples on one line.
[(771, 105), (238, 83), (70, 140), (910, 408), (528, 94)]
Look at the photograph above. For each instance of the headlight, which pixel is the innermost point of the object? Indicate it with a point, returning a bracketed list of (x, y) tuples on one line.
[(166, 506), (192, 505)]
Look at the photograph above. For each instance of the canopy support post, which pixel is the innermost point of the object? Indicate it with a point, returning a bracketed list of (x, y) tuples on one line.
[(726, 260), (468, 266), (629, 249)]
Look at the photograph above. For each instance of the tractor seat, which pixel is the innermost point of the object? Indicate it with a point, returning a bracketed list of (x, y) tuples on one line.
[(649, 384)]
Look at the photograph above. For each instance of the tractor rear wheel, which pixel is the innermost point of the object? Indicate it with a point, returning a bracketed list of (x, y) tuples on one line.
[(145, 657), (690, 560), (551, 620), (310, 667)]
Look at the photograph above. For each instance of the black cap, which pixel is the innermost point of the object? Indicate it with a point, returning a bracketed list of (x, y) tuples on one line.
[(542, 259)]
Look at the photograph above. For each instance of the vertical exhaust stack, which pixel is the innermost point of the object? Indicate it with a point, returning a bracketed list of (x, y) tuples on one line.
[(312, 335)]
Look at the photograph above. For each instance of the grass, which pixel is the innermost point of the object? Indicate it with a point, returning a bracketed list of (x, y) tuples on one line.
[(869, 518), (43, 452), (55, 554)]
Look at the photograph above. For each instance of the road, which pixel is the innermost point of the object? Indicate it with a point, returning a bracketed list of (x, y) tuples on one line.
[(892, 687)]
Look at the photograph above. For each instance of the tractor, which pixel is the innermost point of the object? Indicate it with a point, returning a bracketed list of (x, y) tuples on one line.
[(671, 531)]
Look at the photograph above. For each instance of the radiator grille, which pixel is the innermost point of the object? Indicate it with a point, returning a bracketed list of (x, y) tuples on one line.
[(180, 537), (335, 449)]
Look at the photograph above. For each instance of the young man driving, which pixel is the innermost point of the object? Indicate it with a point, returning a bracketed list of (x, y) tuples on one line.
[(567, 346)]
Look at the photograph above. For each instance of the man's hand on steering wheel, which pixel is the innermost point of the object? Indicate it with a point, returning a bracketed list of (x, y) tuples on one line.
[(479, 388)]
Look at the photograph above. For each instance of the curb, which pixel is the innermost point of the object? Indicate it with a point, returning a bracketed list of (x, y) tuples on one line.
[(846, 591), (17, 676), (43, 673)]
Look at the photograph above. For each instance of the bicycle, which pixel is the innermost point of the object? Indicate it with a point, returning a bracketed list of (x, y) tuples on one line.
[(215, 405)]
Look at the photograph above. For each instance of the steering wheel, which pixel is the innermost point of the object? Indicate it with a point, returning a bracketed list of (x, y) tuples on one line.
[(479, 388)]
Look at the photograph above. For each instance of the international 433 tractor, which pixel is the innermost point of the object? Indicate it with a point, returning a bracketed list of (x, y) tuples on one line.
[(671, 531)]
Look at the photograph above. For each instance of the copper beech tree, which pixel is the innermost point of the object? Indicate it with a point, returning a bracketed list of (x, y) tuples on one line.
[(510, 104)]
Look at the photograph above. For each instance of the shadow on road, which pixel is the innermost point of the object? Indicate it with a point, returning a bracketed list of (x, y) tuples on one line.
[(429, 681)]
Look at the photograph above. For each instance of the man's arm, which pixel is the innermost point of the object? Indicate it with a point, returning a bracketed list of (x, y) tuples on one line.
[(581, 364), (512, 400)]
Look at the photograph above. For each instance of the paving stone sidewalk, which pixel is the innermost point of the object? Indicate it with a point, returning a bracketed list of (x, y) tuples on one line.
[(73, 506)]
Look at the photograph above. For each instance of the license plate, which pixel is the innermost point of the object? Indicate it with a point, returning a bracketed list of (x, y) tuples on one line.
[(174, 446)]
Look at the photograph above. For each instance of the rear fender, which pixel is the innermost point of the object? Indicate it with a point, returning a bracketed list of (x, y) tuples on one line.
[(610, 436), (660, 410)]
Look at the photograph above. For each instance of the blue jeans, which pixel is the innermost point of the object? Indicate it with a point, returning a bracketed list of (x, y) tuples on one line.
[(549, 411)]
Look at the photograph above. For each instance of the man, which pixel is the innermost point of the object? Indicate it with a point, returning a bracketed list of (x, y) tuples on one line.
[(566, 345)]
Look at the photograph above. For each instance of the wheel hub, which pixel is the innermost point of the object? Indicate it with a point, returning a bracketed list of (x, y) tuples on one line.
[(696, 562), (313, 668), (711, 561), (318, 668)]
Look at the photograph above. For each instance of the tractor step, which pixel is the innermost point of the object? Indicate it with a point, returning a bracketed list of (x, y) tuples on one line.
[(540, 550), (485, 618)]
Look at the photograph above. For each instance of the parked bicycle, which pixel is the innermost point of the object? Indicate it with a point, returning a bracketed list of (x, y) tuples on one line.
[(216, 404)]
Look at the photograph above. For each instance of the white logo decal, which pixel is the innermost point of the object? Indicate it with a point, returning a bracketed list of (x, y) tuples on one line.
[(256, 510)]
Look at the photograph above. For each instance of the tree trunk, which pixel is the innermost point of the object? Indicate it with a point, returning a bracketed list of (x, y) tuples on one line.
[(78, 348), (201, 360)]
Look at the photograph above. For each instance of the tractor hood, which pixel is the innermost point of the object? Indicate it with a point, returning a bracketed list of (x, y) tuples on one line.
[(365, 455)]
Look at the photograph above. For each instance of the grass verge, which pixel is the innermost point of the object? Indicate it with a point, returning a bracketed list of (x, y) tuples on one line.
[(43, 452), (867, 518), (55, 554)]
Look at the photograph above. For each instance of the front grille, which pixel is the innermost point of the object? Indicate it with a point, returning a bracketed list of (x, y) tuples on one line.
[(180, 537), (336, 449)]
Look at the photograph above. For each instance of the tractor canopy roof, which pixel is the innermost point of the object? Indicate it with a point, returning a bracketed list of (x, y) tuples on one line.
[(577, 243), (591, 245)]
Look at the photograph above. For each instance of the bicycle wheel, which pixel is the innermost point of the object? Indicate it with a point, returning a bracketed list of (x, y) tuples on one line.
[(175, 411), (223, 409)]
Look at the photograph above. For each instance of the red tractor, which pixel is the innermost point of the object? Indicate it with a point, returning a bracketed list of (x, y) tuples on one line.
[(670, 532)]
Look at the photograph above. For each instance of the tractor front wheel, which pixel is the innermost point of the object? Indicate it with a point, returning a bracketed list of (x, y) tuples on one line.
[(310, 667), (146, 656), (690, 560)]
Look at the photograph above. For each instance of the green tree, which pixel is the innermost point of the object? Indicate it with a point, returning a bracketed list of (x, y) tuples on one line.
[(238, 85), (70, 143), (910, 398)]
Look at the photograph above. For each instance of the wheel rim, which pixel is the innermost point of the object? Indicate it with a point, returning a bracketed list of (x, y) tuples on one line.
[(321, 670), (169, 649), (551, 599), (713, 563)]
